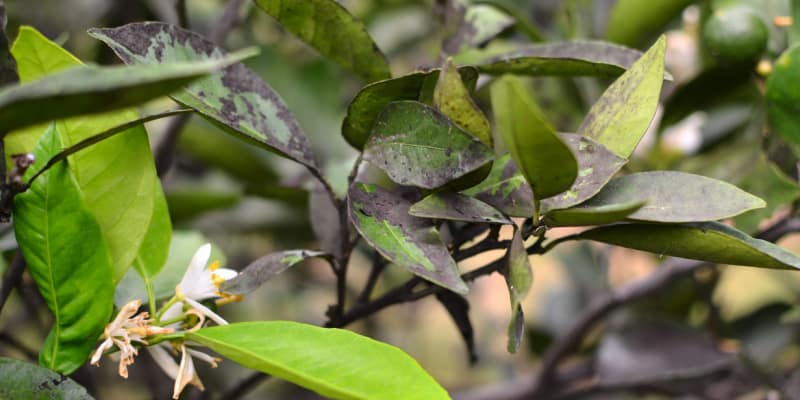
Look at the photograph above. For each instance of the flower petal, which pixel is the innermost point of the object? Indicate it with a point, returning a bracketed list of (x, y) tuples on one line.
[(206, 311), (164, 360), (186, 374), (195, 270)]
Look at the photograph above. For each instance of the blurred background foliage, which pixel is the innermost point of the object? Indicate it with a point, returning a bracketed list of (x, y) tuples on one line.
[(712, 121)]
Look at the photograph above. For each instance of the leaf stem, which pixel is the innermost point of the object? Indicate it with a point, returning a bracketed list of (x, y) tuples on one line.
[(165, 306)]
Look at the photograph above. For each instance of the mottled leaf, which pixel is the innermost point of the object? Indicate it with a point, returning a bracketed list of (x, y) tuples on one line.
[(67, 257), (457, 207), (783, 95), (333, 31), (591, 215), (8, 66), (418, 146), (453, 100), (23, 380), (545, 161), (619, 119), (577, 58), (482, 23), (519, 278), (235, 98), (672, 196), (265, 268), (707, 241), (596, 166), (363, 110), (335, 363), (413, 243), (505, 189)]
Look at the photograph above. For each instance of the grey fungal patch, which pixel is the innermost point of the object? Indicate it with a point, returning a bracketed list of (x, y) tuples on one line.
[(505, 189), (457, 207), (265, 268)]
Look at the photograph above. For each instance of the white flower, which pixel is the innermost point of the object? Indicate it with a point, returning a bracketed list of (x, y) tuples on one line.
[(201, 283), (184, 373), (123, 331)]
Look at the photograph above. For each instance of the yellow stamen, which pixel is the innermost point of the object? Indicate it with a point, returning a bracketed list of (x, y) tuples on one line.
[(214, 265), (228, 298), (217, 280)]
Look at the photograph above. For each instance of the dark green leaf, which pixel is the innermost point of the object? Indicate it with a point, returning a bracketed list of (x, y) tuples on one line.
[(265, 268), (368, 103), (621, 116), (333, 31), (335, 363), (544, 159), (519, 278), (783, 95), (235, 98), (591, 215), (189, 202), (22, 380), (672, 196), (578, 58), (8, 66), (505, 189), (67, 257), (706, 241), (596, 166), (416, 145), (382, 218), (457, 207)]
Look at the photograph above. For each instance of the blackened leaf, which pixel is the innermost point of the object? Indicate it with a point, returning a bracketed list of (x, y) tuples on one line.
[(672, 196), (265, 268), (8, 67), (235, 98), (519, 278), (589, 215), (382, 218), (333, 31), (596, 166), (505, 189), (23, 380), (67, 258), (457, 207), (545, 161), (368, 103), (578, 58), (620, 118), (458, 308), (418, 146), (707, 241)]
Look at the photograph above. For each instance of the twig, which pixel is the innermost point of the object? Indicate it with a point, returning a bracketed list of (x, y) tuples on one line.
[(378, 265), (12, 277)]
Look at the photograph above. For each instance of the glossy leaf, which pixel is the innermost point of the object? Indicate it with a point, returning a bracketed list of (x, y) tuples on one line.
[(634, 21), (596, 166), (265, 268), (116, 177), (457, 207), (783, 95), (413, 243), (155, 246), (335, 363), (619, 119), (543, 158), (74, 276), (453, 100), (707, 241), (418, 146), (8, 66), (235, 98), (505, 189), (365, 107), (333, 31), (576, 58), (672, 196), (591, 215), (23, 380), (519, 278)]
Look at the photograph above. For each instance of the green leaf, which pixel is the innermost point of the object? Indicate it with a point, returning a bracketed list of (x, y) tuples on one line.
[(707, 241), (483, 22), (596, 166), (363, 110), (783, 95), (383, 219), (116, 177), (457, 207), (591, 215), (189, 202), (544, 159), (90, 90), (672, 196), (452, 99), (505, 189), (235, 98), (265, 268), (335, 363), (67, 257), (621, 116), (576, 58), (416, 145), (519, 278), (768, 181), (634, 21), (23, 380), (8, 66), (333, 31), (155, 246)]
